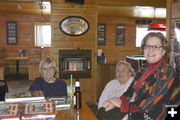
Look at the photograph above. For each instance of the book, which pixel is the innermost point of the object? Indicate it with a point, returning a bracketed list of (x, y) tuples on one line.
[(61, 102), (10, 111), (44, 110), (24, 96)]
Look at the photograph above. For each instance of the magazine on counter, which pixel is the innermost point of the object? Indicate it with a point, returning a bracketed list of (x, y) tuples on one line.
[(61, 102), (44, 110), (24, 96), (10, 111)]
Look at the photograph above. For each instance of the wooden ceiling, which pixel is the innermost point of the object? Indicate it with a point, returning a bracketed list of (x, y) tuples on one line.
[(106, 8)]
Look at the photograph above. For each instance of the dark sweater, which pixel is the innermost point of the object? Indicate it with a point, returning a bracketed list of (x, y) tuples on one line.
[(56, 89)]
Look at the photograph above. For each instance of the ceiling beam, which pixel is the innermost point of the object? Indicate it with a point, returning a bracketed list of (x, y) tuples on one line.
[(154, 3), (25, 1)]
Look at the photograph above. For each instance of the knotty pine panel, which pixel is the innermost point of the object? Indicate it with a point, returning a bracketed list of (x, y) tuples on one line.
[(25, 39), (175, 10), (61, 41), (115, 52), (2, 53)]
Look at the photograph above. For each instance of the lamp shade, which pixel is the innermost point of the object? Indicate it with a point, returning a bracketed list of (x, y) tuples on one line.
[(157, 27)]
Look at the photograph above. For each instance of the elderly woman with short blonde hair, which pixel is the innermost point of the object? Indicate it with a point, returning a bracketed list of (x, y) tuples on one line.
[(51, 86)]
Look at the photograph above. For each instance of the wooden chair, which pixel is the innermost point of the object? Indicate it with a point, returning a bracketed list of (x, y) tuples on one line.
[(3, 89), (34, 59), (33, 70), (1, 73)]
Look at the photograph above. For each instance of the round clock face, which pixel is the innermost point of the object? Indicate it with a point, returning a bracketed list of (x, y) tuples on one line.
[(74, 25)]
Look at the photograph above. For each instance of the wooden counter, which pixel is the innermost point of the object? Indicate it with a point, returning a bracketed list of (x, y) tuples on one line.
[(84, 113)]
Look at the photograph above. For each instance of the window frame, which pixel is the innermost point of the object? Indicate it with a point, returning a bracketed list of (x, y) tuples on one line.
[(35, 35)]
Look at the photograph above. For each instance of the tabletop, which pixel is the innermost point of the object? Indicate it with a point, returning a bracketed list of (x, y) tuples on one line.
[(84, 113), (17, 58)]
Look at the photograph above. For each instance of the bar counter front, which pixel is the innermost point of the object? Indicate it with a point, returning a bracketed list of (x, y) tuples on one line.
[(84, 113)]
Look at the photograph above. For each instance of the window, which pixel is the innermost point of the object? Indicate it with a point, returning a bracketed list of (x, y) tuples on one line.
[(142, 31), (43, 35)]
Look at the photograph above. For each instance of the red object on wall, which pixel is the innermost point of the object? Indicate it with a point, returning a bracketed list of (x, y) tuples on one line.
[(157, 27)]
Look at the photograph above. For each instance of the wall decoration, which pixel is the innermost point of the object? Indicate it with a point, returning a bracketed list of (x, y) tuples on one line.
[(120, 34), (74, 25), (101, 34), (11, 28)]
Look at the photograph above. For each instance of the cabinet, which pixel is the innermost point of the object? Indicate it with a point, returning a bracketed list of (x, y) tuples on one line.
[(105, 73)]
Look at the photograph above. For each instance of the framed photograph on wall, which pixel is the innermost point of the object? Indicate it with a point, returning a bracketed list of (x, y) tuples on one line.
[(120, 34), (11, 28), (101, 34), (74, 25)]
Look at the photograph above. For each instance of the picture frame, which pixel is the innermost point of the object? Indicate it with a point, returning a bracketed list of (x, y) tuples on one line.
[(120, 34), (101, 34), (74, 25), (11, 32)]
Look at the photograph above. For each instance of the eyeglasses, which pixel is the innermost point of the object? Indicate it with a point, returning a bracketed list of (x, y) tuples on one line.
[(154, 47), (118, 71), (47, 68)]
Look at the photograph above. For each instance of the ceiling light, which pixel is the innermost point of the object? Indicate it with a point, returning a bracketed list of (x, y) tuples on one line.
[(150, 12)]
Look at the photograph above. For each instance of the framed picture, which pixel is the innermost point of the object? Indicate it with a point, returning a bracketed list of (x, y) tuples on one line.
[(101, 34), (120, 34), (11, 28), (74, 25)]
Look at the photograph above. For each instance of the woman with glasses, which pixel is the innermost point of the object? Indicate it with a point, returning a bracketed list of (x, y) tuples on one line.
[(151, 89), (51, 86), (124, 75)]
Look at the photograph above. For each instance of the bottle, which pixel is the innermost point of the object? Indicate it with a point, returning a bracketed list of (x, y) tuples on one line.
[(77, 95)]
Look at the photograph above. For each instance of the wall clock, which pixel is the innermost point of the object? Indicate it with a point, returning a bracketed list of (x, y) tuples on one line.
[(74, 25)]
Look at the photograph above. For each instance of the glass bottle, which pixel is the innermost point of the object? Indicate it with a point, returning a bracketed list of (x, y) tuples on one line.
[(77, 95)]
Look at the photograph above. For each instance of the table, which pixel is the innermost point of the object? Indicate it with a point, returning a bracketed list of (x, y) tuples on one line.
[(17, 59), (84, 113)]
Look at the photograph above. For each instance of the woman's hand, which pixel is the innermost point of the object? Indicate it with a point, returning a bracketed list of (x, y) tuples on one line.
[(112, 103), (116, 101)]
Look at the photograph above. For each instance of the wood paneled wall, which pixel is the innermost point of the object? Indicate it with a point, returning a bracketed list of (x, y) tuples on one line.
[(175, 10), (25, 40), (115, 52), (60, 41)]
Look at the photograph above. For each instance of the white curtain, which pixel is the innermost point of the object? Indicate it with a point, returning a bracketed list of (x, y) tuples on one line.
[(42, 35)]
